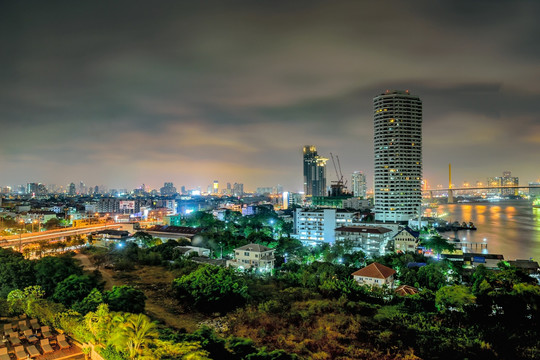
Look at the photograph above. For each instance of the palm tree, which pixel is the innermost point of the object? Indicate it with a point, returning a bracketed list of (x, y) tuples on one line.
[(134, 335), (98, 322)]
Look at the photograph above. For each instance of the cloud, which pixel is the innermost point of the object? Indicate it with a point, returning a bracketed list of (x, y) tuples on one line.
[(196, 91)]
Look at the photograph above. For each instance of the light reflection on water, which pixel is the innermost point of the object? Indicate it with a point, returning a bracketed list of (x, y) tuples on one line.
[(512, 228)]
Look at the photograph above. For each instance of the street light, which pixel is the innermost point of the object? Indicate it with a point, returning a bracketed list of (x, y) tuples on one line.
[(20, 236)]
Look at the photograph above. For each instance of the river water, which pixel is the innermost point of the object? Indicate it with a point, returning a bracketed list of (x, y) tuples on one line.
[(510, 227)]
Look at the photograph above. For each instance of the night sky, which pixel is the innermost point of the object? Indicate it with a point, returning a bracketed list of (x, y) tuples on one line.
[(125, 92)]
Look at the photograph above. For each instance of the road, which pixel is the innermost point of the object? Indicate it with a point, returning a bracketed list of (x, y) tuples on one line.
[(15, 240), (87, 265)]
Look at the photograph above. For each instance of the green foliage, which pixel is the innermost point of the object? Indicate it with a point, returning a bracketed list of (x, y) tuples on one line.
[(16, 302), (438, 244), (73, 289), (454, 297), (89, 303), (15, 271), (44, 310), (110, 353), (432, 276), (212, 289), (272, 355), (134, 336), (125, 298), (184, 350), (51, 270), (144, 239)]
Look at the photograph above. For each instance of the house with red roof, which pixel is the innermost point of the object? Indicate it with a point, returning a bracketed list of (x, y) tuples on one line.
[(375, 274)]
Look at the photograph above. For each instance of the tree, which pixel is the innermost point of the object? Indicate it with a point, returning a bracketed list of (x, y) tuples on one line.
[(212, 288), (454, 297), (89, 303), (437, 244), (15, 271), (16, 301), (135, 335), (51, 270), (72, 289), (52, 224), (144, 239), (435, 275), (125, 298), (98, 322)]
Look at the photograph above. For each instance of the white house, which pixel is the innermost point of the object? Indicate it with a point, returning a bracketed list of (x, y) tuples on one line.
[(406, 241), (253, 256), (375, 274)]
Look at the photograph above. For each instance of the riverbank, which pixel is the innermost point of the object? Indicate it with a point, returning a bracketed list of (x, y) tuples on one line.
[(510, 227)]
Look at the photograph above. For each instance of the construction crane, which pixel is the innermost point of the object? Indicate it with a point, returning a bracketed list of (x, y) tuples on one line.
[(344, 183), (338, 186)]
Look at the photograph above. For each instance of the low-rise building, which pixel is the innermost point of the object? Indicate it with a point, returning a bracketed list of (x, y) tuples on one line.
[(375, 274), (406, 240), (490, 261), (373, 241), (314, 226), (405, 290), (189, 250), (253, 256)]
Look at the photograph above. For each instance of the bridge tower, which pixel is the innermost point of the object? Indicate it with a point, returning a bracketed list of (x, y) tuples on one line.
[(450, 191)]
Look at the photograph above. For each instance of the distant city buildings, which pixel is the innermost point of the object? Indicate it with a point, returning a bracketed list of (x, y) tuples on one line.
[(168, 189), (314, 172), (238, 189), (534, 192), (398, 156), (359, 187), (506, 180)]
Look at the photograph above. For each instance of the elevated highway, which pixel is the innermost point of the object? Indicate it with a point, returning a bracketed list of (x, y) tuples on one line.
[(57, 234)]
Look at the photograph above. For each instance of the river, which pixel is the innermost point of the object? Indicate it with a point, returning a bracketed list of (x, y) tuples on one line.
[(510, 227)]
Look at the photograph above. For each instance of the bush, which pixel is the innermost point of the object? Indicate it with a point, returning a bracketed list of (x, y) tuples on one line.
[(212, 289), (125, 298)]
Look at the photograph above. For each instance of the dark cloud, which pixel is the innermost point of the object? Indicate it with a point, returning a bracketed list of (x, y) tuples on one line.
[(130, 92)]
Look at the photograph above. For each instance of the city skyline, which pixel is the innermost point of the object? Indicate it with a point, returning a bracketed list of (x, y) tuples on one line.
[(232, 93)]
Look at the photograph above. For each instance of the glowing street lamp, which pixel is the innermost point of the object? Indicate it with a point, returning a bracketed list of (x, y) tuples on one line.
[(20, 236)]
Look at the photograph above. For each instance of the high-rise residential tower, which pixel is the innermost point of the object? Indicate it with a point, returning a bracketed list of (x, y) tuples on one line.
[(398, 156), (359, 187), (314, 172)]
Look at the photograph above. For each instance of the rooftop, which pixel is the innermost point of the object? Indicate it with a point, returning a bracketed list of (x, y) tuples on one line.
[(364, 229), (254, 247), (404, 290), (375, 270), (174, 229)]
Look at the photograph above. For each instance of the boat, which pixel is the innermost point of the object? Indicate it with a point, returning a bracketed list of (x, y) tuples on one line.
[(456, 226), (536, 203)]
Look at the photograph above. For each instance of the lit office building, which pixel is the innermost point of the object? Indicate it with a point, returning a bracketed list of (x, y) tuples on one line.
[(314, 172), (398, 156)]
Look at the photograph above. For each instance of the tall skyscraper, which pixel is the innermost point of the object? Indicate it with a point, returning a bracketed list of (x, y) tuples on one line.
[(359, 187), (72, 190), (398, 156), (314, 172), (238, 189)]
